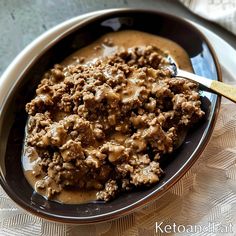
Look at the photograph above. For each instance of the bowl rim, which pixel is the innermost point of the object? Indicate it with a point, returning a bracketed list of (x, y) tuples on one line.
[(167, 185)]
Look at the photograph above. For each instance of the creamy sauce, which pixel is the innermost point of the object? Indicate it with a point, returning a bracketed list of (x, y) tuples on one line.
[(130, 38), (97, 50), (66, 196), (118, 137)]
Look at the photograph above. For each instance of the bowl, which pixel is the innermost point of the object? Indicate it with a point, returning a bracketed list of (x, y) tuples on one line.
[(13, 116)]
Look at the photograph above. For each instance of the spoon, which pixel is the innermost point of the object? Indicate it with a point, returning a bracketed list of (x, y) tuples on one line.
[(218, 87)]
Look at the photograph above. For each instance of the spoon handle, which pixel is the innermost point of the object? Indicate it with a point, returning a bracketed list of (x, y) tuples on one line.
[(226, 90), (218, 87)]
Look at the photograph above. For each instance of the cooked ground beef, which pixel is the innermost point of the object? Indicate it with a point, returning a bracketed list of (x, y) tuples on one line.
[(105, 125)]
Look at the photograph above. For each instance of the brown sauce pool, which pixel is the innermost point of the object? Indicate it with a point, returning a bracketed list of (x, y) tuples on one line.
[(97, 50), (130, 38)]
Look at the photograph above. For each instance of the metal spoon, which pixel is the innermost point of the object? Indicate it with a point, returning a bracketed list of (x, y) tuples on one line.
[(218, 87)]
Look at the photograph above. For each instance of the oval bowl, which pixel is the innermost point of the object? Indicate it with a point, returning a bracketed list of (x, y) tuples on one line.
[(13, 116)]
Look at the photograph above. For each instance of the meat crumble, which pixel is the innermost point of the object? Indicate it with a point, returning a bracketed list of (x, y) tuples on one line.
[(106, 124)]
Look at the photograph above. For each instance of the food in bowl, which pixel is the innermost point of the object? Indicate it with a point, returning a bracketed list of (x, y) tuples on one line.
[(102, 120)]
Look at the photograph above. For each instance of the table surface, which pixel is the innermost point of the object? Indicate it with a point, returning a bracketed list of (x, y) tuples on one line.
[(21, 21)]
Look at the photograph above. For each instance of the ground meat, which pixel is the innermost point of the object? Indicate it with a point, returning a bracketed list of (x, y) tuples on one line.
[(105, 125)]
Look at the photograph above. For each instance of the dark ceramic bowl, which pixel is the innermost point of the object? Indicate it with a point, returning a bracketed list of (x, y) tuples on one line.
[(13, 116)]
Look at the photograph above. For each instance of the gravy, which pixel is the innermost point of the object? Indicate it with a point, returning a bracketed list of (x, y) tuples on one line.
[(126, 39)]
